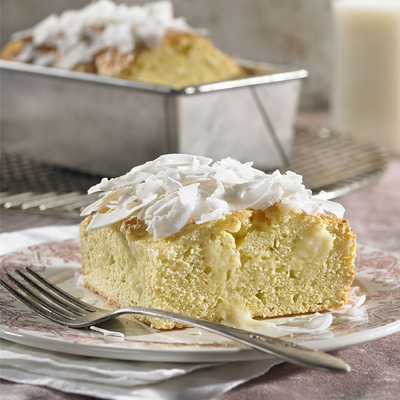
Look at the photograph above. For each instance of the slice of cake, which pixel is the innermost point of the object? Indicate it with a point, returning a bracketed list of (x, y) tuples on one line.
[(219, 241), (141, 43)]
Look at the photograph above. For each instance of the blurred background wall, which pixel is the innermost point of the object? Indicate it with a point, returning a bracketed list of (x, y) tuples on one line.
[(294, 32)]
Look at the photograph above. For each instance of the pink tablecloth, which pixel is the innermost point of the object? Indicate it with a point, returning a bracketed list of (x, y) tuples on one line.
[(374, 212)]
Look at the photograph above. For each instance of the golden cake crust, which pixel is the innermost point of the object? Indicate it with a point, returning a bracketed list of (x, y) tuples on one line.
[(182, 59)]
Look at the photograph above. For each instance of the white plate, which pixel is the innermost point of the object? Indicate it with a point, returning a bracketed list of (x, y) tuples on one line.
[(377, 274)]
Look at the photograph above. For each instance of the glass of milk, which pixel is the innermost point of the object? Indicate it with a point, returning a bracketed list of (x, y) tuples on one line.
[(366, 79)]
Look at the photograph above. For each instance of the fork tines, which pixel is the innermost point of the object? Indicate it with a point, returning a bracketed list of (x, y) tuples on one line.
[(45, 298)]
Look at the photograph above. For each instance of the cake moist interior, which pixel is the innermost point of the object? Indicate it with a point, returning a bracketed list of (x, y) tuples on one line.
[(251, 263)]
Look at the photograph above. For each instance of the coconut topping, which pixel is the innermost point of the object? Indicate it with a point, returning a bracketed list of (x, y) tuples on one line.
[(175, 188), (76, 36)]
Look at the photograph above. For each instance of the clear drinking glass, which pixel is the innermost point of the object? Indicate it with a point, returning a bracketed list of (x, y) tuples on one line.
[(366, 79)]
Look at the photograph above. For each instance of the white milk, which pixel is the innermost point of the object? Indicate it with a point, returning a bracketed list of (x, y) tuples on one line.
[(366, 80)]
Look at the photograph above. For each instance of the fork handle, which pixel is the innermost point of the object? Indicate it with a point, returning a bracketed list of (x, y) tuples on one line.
[(285, 350)]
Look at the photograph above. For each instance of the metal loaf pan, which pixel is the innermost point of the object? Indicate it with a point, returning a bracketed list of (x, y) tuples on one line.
[(105, 126)]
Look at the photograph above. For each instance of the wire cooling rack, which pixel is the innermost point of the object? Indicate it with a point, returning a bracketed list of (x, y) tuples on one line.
[(330, 161)]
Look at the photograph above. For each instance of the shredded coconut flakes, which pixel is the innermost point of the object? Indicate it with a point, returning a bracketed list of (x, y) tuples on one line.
[(173, 189)]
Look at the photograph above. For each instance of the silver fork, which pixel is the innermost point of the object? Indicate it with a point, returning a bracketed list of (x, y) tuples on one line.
[(55, 304)]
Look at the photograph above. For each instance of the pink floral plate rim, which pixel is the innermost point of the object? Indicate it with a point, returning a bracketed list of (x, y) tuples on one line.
[(377, 274)]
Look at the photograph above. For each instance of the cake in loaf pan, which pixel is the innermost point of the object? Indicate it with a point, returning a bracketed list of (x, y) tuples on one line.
[(140, 43), (219, 241)]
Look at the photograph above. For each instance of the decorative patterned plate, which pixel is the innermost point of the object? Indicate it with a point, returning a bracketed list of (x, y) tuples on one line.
[(378, 276)]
